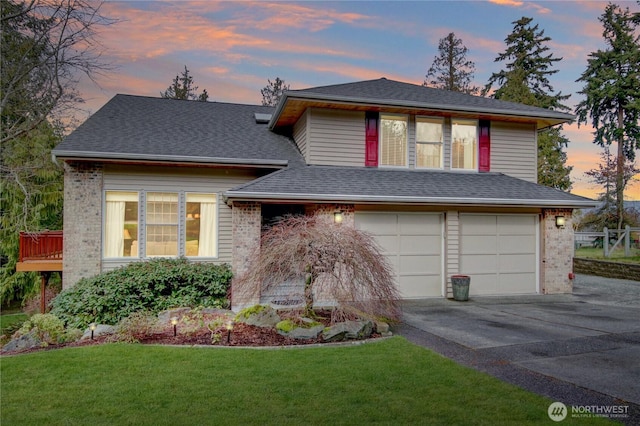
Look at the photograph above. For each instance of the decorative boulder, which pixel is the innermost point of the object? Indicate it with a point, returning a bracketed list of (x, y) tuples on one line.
[(165, 316), (303, 333), (101, 330), (348, 330), (26, 341), (266, 317)]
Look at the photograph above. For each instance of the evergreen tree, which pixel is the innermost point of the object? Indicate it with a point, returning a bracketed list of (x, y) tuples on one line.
[(46, 44), (183, 88), (272, 92), (612, 92), (451, 70), (525, 79)]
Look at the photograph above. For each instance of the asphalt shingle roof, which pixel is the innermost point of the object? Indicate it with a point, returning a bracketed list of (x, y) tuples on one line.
[(362, 184), (136, 127), (384, 91)]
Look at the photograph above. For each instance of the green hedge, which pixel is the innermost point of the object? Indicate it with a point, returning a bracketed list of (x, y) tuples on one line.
[(151, 286)]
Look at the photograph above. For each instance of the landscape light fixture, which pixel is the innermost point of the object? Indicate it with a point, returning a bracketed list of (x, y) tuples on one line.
[(229, 327), (338, 217), (92, 327), (560, 221), (174, 323)]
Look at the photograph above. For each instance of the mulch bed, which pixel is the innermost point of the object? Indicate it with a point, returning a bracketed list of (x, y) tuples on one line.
[(242, 335)]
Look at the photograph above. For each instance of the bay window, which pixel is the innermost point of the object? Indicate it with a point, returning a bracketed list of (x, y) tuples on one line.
[(464, 144), (429, 137), (393, 140)]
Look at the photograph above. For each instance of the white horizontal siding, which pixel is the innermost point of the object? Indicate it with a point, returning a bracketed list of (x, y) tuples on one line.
[(336, 137), (172, 179), (514, 150)]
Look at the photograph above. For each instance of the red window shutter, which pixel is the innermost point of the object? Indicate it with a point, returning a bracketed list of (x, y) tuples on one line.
[(371, 139), (484, 147)]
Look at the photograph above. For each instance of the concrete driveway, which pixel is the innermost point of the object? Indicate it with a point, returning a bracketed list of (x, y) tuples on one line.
[(580, 349)]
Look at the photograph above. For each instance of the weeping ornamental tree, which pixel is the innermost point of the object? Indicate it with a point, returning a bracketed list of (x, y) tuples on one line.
[(612, 93), (525, 79), (330, 261)]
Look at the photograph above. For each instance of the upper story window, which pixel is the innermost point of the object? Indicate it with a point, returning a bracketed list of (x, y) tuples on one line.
[(464, 144), (429, 138), (393, 140)]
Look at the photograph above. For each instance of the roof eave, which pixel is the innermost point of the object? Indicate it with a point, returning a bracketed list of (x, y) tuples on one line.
[(549, 117), (440, 201), (66, 155)]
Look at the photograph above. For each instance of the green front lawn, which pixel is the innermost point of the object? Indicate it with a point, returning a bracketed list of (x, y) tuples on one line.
[(385, 382), (616, 256)]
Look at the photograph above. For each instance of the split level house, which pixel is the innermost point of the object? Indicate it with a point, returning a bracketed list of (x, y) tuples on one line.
[(446, 182)]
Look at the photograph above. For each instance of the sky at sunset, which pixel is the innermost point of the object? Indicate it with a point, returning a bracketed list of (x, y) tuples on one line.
[(232, 48)]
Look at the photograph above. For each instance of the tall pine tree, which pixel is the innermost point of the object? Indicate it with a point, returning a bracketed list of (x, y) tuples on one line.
[(451, 70), (612, 92), (525, 79)]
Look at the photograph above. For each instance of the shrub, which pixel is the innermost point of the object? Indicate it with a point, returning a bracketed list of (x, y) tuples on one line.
[(47, 327), (136, 326), (151, 286)]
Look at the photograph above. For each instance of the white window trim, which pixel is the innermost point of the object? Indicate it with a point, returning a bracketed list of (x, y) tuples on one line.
[(459, 170), (216, 225), (441, 143), (406, 160)]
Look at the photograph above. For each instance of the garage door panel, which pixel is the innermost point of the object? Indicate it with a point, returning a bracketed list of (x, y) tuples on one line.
[(480, 225), (414, 286), (478, 244), (378, 225), (418, 224), (517, 263), (479, 264), (388, 243), (517, 283), (420, 264), (516, 225), (483, 284), (421, 244), (516, 244)]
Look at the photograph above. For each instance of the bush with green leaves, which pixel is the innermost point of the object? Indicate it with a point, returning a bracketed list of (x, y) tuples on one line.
[(152, 286), (48, 328)]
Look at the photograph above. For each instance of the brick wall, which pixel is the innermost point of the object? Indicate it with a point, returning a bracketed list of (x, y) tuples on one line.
[(246, 222), (82, 221), (557, 253)]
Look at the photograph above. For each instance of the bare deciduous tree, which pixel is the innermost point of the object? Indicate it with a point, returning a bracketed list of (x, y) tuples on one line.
[(335, 262)]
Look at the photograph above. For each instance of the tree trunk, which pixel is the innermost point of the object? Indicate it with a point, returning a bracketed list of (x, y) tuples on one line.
[(620, 171)]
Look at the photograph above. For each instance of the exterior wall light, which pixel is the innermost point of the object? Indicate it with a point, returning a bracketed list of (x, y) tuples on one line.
[(338, 216), (92, 327), (560, 221), (174, 323)]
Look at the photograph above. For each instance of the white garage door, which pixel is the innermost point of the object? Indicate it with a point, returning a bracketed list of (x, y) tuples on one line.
[(499, 252), (413, 244)]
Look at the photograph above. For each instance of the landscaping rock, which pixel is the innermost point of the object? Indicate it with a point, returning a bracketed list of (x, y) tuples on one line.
[(267, 317), (101, 330), (382, 328), (303, 333), (348, 330), (26, 341), (165, 316)]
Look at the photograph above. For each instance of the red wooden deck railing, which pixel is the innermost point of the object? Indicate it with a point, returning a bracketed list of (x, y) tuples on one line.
[(45, 245)]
